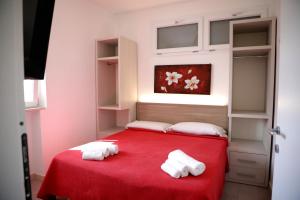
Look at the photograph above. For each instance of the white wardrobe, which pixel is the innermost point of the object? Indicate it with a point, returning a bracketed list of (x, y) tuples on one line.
[(252, 72)]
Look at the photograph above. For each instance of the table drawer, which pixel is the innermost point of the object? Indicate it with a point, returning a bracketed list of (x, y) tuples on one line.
[(247, 175), (247, 160)]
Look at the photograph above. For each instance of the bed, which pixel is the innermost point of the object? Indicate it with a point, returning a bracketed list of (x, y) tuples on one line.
[(135, 172)]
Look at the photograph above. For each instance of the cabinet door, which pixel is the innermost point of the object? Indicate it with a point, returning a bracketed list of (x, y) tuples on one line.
[(216, 28), (182, 35)]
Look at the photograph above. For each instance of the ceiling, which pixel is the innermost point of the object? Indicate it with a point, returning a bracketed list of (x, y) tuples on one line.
[(118, 6)]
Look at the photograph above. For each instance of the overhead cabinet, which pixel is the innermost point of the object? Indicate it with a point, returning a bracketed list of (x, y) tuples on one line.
[(216, 28), (177, 36), (181, 35), (193, 34)]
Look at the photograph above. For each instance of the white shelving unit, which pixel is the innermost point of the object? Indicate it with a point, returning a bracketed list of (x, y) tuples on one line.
[(252, 73), (116, 84)]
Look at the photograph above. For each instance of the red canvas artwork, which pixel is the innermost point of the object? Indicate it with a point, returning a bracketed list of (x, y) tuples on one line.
[(182, 79)]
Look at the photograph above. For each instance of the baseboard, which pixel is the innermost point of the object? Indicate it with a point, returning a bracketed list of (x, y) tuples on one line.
[(36, 177)]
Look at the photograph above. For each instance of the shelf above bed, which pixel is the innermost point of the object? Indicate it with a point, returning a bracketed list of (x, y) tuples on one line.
[(111, 107)]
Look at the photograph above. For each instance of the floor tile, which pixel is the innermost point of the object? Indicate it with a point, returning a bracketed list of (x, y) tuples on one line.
[(252, 192)]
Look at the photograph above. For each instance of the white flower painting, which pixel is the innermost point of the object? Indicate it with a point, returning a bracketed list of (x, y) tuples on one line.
[(172, 77), (182, 79), (192, 83)]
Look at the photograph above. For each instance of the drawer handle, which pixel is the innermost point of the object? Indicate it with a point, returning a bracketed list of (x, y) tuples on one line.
[(246, 161), (245, 175)]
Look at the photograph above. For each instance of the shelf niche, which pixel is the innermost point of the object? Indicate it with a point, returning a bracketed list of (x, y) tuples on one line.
[(248, 129), (107, 84), (252, 34), (111, 119), (249, 84), (107, 48)]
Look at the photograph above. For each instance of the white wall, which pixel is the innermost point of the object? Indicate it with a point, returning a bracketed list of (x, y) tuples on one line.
[(33, 128), (138, 27), (70, 117)]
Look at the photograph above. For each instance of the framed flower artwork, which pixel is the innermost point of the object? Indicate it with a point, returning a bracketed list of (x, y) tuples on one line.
[(182, 79)]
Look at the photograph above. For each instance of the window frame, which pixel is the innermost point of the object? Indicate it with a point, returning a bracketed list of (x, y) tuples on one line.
[(39, 95)]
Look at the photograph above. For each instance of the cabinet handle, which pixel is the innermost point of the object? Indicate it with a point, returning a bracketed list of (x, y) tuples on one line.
[(211, 50), (237, 14), (245, 175), (246, 161)]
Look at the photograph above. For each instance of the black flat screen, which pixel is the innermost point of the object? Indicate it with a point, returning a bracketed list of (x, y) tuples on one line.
[(37, 20)]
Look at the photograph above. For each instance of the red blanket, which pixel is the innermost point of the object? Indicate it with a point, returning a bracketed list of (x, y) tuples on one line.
[(135, 172)]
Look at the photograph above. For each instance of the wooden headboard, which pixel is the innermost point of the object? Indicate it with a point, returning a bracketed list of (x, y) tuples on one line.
[(174, 113)]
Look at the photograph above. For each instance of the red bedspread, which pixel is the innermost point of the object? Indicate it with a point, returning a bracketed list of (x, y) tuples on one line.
[(135, 172)]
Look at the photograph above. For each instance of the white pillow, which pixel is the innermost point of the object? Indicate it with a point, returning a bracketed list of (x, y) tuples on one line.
[(155, 126), (198, 128)]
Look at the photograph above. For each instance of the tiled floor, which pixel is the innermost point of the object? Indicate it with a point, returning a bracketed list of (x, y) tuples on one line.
[(235, 191), (232, 191), (35, 186)]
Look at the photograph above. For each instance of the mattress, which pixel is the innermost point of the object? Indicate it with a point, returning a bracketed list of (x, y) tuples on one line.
[(135, 172)]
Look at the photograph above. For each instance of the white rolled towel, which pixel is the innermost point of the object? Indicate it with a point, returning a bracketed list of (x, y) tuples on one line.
[(105, 151), (166, 167), (195, 167), (113, 149), (184, 171), (97, 147), (92, 155)]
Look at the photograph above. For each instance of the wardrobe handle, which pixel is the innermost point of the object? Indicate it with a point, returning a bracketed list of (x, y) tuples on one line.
[(237, 14), (245, 175), (246, 161)]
